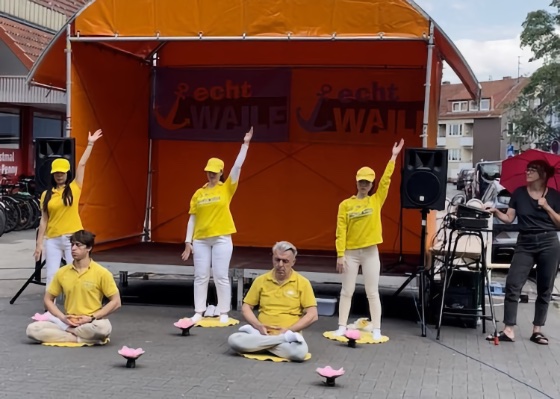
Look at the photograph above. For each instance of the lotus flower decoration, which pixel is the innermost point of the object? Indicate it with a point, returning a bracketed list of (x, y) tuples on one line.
[(130, 354), (330, 374)]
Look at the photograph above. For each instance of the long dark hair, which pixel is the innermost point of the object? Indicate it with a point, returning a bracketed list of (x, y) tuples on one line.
[(67, 197)]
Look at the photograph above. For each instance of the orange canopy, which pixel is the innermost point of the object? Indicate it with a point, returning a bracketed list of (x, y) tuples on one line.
[(288, 190)]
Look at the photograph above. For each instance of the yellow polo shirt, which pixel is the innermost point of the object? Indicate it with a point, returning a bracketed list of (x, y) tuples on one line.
[(280, 305), (83, 293), (63, 220), (211, 208), (359, 220)]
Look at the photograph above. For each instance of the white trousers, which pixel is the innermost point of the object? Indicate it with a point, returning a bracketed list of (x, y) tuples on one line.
[(215, 253), (243, 342), (56, 249), (371, 266)]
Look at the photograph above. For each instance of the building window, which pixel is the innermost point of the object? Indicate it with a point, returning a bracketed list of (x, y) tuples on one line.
[(456, 129), (454, 154), (9, 128), (459, 106), (47, 125), (485, 105), (510, 129), (473, 106)]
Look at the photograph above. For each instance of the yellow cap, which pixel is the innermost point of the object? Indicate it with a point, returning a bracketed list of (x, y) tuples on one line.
[(365, 173), (60, 165), (214, 165)]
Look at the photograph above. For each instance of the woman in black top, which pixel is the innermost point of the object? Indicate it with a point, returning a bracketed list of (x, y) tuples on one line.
[(537, 208)]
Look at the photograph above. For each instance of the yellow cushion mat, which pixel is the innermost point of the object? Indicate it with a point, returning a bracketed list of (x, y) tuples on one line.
[(270, 357), (365, 338), (215, 322), (74, 344)]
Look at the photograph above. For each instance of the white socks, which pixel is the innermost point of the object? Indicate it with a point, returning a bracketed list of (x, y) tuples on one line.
[(63, 326), (249, 329), (340, 332), (196, 318), (210, 311), (291, 336), (376, 334)]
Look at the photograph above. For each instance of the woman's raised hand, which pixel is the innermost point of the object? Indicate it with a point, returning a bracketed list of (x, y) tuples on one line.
[(248, 136)]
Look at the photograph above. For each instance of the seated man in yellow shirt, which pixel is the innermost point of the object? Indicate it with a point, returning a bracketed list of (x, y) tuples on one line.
[(84, 284), (287, 305)]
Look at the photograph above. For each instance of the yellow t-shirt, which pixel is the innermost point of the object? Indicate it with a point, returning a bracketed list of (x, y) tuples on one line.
[(280, 305), (359, 220), (83, 293), (63, 220), (211, 208)]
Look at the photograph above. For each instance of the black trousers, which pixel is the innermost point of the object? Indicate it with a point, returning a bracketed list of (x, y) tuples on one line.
[(542, 249)]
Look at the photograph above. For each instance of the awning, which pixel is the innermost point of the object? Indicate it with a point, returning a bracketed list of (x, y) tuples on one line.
[(140, 27)]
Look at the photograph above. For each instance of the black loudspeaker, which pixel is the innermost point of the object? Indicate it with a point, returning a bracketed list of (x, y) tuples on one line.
[(424, 179), (46, 151)]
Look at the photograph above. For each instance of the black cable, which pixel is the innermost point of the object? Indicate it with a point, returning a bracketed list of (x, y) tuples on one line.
[(478, 360)]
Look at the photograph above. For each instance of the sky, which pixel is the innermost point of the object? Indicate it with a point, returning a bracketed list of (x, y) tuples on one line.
[(487, 34)]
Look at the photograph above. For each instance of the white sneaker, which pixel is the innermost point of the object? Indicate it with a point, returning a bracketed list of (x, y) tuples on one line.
[(210, 310), (224, 318)]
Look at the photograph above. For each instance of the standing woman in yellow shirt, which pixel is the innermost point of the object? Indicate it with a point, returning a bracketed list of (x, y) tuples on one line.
[(358, 232), (209, 233), (59, 211)]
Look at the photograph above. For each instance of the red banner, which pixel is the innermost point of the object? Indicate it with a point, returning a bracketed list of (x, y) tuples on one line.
[(10, 162), (356, 105)]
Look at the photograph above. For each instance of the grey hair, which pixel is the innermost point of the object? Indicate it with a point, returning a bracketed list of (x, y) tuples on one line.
[(283, 246)]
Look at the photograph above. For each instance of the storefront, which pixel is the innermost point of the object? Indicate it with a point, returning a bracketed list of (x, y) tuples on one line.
[(26, 113)]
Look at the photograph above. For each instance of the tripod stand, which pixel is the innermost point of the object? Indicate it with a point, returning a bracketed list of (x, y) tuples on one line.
[(34, 279), (420, 270), (400, 260)]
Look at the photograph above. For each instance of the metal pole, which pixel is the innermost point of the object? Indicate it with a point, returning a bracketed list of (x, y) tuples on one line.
[(68, 80), (147, 237), (200, 37), (148, 215), (428, 87)]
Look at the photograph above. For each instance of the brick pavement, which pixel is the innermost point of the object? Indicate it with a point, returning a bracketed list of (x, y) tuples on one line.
[(463, 365)]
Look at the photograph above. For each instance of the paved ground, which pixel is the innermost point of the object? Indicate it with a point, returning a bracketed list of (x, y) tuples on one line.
[(461, 365)]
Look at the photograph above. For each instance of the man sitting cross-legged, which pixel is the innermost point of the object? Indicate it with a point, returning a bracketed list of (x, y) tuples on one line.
[(84, 284), (287, 305)]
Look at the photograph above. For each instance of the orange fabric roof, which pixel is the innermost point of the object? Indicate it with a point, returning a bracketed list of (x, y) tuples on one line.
[(172, 20)]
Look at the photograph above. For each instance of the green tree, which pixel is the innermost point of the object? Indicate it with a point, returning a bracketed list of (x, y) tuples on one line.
[(540, 99)]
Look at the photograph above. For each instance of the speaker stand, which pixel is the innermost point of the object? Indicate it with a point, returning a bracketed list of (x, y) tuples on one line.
[(35, 278), (420, 271)]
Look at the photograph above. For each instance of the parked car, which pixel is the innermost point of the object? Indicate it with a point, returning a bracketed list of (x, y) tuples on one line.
[(463, 176), (484, 174), (504, 235)]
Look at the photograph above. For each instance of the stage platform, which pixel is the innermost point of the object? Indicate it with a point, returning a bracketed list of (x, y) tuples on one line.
[(246, 264)]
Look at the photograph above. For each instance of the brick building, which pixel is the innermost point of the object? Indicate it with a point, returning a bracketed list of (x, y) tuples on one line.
[(473, 132), (28, 112)]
